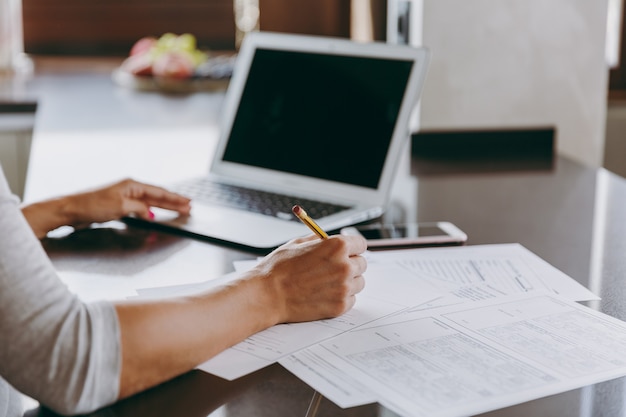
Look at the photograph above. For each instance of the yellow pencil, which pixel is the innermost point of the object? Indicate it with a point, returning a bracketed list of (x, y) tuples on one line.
[(301, 214)]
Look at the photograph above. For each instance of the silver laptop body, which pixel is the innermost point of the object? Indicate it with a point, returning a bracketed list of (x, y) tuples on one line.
[(312, 118)]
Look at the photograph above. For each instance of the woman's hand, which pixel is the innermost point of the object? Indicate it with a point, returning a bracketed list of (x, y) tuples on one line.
[(313, 279), (127, 197), (306, 279), (122, 199)]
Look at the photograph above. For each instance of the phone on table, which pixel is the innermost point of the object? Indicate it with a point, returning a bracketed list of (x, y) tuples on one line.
[(408, 234)]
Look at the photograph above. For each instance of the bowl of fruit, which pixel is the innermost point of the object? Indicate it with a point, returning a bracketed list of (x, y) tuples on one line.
[(173, 63)]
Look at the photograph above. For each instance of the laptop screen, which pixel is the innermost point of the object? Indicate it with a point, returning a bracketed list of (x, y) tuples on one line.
[(319, 115)]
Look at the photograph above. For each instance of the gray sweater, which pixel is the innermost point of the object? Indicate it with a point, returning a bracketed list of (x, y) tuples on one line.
[(56, 349)]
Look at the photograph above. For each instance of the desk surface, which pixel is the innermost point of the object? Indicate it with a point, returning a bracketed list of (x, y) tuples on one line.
[(570, 215)]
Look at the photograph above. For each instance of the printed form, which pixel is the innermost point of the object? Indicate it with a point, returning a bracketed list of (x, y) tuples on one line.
[(398, 282), (442, 332), (467, 358)]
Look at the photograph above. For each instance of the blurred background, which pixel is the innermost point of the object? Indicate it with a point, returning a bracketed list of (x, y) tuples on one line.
[(496, 64)]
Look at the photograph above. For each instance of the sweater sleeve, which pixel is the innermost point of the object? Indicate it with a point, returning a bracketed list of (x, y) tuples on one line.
[(58, 350)]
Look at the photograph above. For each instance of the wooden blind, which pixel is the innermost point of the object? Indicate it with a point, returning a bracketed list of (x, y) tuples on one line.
[(315, 17), (110, 27), (617, 76)]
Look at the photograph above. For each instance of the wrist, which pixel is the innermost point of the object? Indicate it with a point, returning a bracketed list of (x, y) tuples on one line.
[(67, 211), (263, 293), (48, 215)]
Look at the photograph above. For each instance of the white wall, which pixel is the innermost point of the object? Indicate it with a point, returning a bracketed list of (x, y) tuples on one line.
[(512, 63), (16, 132), (14, 155), (615, 146)]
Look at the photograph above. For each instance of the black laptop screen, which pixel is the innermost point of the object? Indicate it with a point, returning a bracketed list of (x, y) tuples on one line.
[(325, 116)]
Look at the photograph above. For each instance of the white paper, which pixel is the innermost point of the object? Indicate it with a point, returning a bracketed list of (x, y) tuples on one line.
[(386, 292), (183, 289), (398, 283), (460, 274), (330, 375), (482, 271), (242, 266), (162, 264), (472, 358)]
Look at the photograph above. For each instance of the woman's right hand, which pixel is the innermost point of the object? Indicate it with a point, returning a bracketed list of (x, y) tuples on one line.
[(311, 279), (305, 279)]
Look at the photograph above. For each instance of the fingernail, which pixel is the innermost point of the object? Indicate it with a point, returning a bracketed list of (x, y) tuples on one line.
[(151, 214)]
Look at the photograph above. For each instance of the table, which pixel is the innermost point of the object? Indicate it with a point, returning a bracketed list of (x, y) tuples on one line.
[(569, 214)]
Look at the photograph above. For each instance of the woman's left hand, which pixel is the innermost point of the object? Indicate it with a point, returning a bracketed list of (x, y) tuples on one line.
[(124, 198)]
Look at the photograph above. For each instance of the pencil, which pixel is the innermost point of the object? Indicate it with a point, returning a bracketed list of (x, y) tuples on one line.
[(301, 214)]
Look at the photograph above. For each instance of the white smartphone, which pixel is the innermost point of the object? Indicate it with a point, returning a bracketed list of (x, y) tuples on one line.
[(408, 234)]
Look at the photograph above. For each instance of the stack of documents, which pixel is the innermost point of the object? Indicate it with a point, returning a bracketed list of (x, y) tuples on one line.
[(444, 332)]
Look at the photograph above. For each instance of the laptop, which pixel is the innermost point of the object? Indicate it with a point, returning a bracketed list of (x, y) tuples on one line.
[(314, 121)]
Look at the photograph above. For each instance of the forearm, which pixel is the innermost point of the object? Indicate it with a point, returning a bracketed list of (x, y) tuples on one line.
[(163, 339), (48, 215)]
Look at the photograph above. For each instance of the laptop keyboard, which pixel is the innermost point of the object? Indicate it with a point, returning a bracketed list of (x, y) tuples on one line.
[(271, 204)]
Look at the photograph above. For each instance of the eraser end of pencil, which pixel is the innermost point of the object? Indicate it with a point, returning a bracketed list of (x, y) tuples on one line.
[(297, 210)]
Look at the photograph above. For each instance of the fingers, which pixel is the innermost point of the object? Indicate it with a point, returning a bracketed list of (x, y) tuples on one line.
[(317, 278), (137, 208), (150, 195), (359, 284), (160, 197), (355, 245), (359, 269)]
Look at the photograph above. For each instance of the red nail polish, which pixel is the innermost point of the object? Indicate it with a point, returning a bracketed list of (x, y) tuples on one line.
[(151, 214)]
